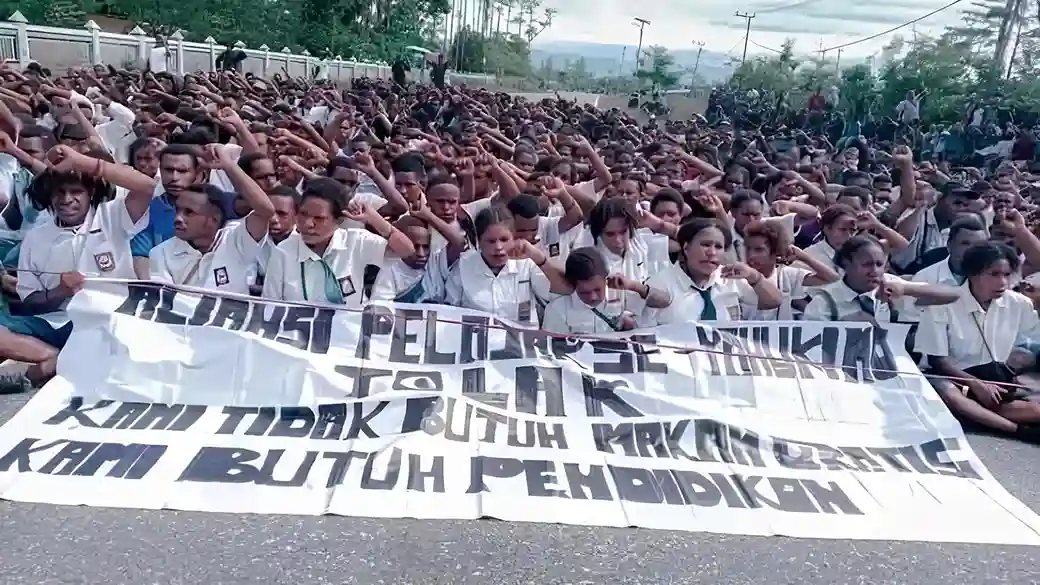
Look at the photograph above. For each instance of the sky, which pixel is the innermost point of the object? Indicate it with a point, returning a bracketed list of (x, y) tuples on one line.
[(677, 24)]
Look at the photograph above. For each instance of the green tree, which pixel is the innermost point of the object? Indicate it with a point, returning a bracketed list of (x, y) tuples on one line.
[(661, 73)]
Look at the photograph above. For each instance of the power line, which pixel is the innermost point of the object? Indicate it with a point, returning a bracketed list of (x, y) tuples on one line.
[(761, 46), (796, 4), (891, 30)]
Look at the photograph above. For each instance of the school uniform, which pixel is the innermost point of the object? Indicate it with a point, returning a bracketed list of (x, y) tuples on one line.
[(371, 200), (402, 283), (646, 255), (927, 236), (226, 267), (508, 295), (571, 315), (837, 302), (790, 281), (940, 274), (720, 299), (970, 336), (100, 246), (823, 252), (296, 273)]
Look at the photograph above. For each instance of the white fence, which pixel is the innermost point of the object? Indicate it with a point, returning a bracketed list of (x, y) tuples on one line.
[(61, 48)]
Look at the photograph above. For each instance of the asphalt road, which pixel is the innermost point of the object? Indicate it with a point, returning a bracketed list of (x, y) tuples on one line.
[(44, 545)]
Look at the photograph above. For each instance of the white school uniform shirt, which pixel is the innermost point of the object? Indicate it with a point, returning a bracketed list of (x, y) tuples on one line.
[(118, 134), (227, 267), (729, 295), (970, 336), (927, 236), (438, 241), (847, 306), (376, 202), (98, 247), (417, 285), (508, 295), (938, 273), (823, 252), (646, 255), (790, 280), (570, 314), (295, 273)]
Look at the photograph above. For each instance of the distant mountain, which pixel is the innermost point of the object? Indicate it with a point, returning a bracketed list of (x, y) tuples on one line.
[(604, 60)]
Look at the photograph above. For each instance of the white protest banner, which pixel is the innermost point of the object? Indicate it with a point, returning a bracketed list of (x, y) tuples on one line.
[(170, 398)]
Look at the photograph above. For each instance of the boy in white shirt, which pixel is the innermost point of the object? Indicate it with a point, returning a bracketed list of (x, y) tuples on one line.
[(204, 253), (421, 277)]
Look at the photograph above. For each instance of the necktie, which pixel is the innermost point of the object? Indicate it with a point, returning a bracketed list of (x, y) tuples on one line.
[(708, 313), (867, 304)]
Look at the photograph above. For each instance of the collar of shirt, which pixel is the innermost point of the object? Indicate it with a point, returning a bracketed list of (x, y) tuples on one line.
[(510, 268), (304, 253), (843, 294), (687, 283), (968, 301)]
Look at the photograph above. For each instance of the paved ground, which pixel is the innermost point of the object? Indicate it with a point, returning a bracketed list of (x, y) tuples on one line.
[(43, 545)]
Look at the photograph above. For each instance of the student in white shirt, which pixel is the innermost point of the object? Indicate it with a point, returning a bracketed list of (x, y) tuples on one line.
[(841, 222), (968, 344), (205, 252), (965, 232), (548, 233), (865, 291), (700, 288), (283, 223), (590, 309), (636, 254), (442, 198), (421, 277), (324, 263), (765, 243), (91, 230), (497, 277)]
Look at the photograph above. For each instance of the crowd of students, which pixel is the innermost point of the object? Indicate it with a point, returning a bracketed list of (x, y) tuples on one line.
[(553, 214)]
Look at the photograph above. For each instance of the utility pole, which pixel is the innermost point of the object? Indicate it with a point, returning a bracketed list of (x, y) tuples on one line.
[(697, 63), (747, 34), (642, 22), (837, 64)]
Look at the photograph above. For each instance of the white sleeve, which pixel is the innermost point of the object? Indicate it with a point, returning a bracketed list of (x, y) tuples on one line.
[(383, 288), (933, 336), (818, 309), (116, 219), (554, 319), (245, 246), (157, 269), (274, 276), (368, 246), (28, 269), (453, 287), (435, 276)]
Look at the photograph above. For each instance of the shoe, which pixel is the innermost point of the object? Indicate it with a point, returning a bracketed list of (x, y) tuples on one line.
[(14, 384), (1029, 433)]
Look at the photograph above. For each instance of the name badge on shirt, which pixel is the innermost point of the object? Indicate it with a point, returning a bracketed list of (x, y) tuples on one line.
[(105, 261), (523, 313), (220, 276), (346, 286), (554, 250)]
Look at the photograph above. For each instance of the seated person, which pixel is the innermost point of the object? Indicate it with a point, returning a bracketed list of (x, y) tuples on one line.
[(968, 343), (324, 263), (204, 253), (589, 309), (421, 277)]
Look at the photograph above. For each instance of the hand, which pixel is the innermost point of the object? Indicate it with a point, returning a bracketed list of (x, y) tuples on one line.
[(63, 159), (988, 394), (6, 144), (619, 282), (645, 219), (230, 116), (218, 156), (364, 163), (865, 220), (743, 271), (781, 207), (356, 211), (555, 188), (523, 249), (465, 168), (1014, 219), (890, 290), (627, 321), (71, 282), (709, 201), (902, 155)]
